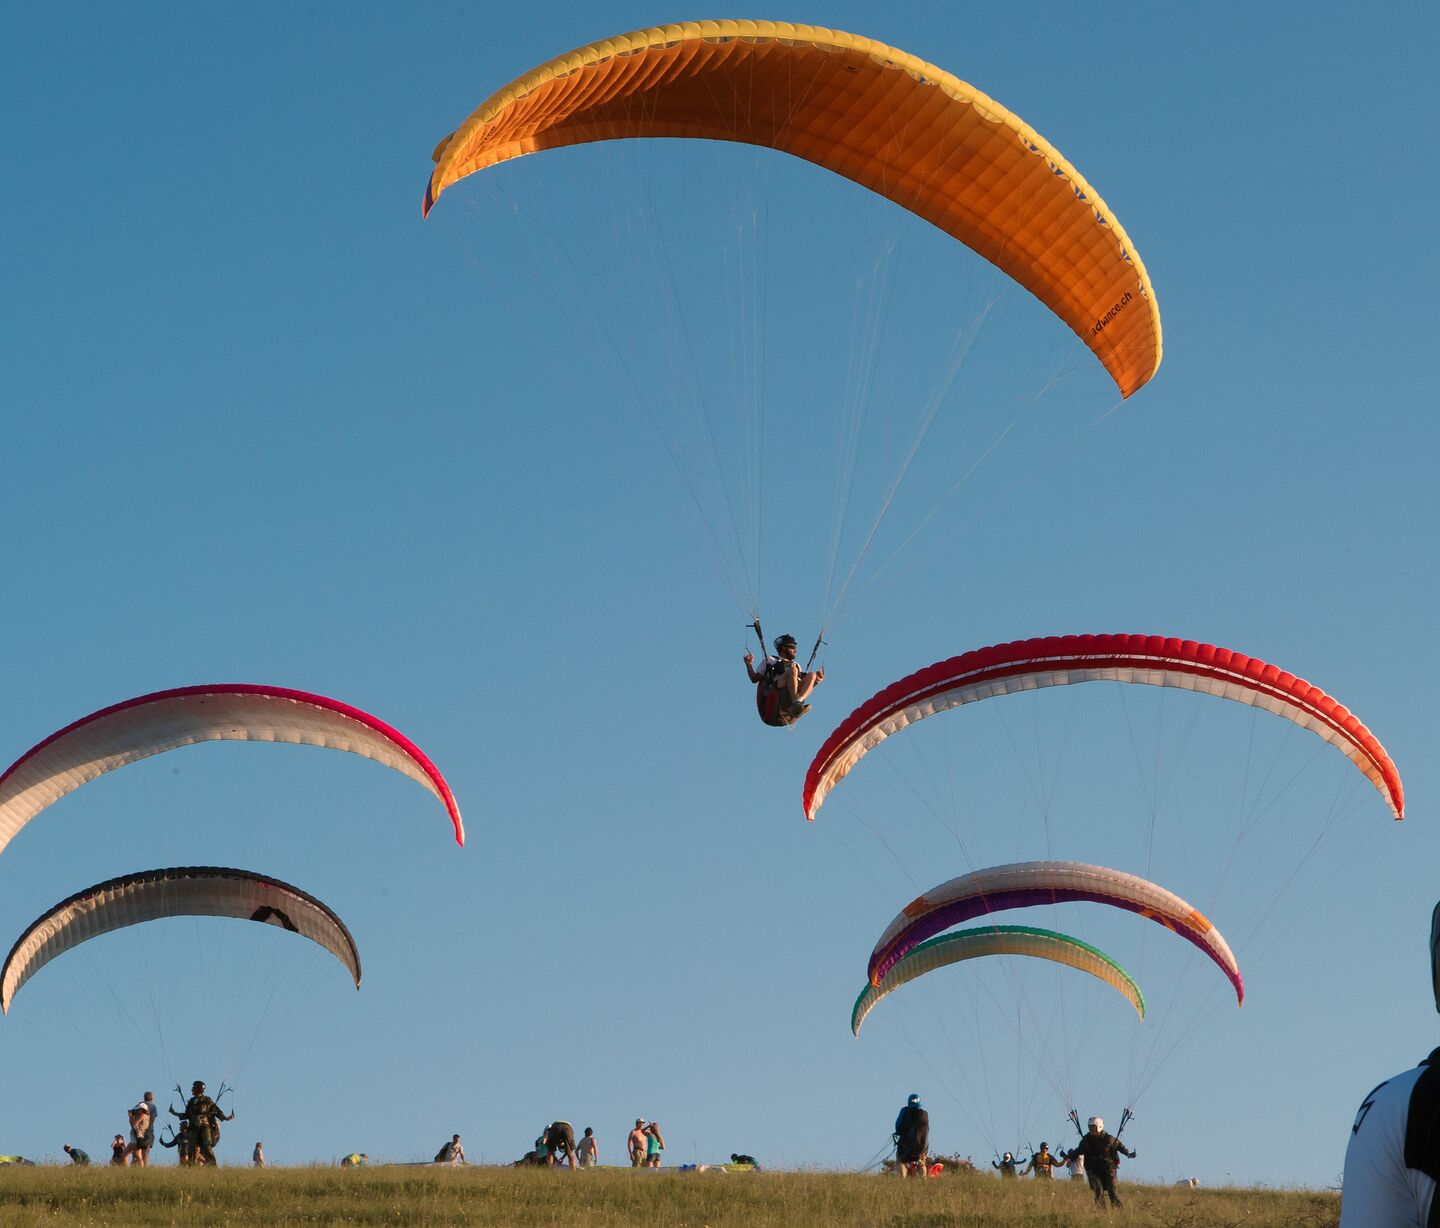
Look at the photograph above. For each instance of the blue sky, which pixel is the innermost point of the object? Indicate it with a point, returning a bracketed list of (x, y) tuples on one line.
[(262, 424)]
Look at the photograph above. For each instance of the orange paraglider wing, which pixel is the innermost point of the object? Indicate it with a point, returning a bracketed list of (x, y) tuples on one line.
[(891, 122)]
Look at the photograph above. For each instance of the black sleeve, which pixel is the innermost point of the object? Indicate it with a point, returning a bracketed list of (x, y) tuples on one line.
[(1422, 1129)]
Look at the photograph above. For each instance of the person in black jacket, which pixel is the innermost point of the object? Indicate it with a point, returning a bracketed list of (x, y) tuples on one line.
[(1101, 1153), (912, 1137)]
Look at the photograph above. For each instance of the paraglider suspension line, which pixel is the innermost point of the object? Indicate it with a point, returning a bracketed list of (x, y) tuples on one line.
[(1124, 1119), (883, 1154)]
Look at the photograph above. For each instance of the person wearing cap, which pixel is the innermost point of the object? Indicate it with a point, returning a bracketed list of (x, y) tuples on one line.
[(912, 1137), (142, 1130), (1100, 1152), (780, 684), (76, 1155), (636, 1144), (1393, 1158)]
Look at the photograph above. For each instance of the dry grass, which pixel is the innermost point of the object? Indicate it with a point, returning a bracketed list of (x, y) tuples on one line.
[(610, 1198)]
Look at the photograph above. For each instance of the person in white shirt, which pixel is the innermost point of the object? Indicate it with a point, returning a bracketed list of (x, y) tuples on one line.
[(1393, 1158)]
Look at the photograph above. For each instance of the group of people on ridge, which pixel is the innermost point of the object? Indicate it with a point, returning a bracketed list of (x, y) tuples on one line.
[(556, 1145), (1096, 1156), (195, 1139)]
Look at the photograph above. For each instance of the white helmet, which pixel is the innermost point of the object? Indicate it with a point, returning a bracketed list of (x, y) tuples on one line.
[(1098, 1123)]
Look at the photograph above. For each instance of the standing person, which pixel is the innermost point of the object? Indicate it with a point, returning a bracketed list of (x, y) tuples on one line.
[(142, 1130), (76, 1155), (636, 1144), (203, 1116), (780, 685), (452, 1152), (1101, 1153), (589, 1149), (654, 1145), (912, 1137), (185, 1141), (1008, 1165), (1042, 1162), (257, 1157), (1392, 1161), (119, 1152)]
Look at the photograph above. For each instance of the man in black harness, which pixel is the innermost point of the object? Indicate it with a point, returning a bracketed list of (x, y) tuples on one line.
[(203, 1116), (1101, 1153), (780, 684), (912, 1137)]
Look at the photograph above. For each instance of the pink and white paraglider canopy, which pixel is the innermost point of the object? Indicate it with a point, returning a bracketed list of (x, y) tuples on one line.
[(148, 725), (1154, 660)]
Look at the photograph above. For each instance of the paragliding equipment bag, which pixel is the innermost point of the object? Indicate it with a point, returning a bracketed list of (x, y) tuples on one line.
[(768, 694)]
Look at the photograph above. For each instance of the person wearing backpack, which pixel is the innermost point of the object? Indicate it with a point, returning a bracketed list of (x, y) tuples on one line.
[(451, 1153), (780, 685), (203, 1116), (912, 1137)]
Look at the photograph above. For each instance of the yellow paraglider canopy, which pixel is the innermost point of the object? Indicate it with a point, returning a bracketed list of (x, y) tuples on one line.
[(887, 120)]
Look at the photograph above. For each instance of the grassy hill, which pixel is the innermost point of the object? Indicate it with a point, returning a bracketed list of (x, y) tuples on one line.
[(611, 1198)]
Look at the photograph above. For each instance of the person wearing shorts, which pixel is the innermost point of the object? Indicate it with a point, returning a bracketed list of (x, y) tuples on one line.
[(142, 1130), (636, 1144), (559, 1140), (654, 1145)]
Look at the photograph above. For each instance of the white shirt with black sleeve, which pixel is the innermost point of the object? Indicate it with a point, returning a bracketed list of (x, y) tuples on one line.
[(1393, 1158)]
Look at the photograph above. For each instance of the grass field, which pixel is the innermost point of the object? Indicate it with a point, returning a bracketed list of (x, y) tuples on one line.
[(609, 1198)]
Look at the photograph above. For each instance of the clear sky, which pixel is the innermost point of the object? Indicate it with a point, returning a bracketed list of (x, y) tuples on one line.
[(260, 423)]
